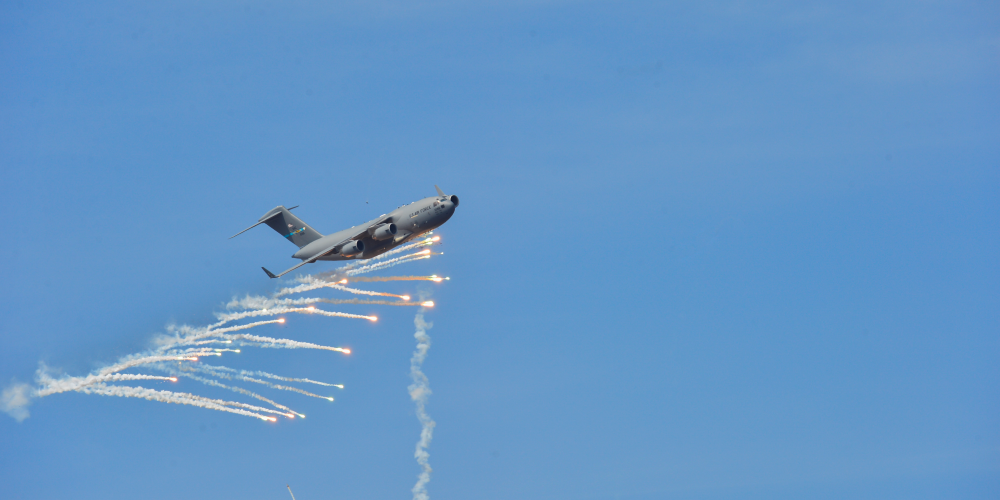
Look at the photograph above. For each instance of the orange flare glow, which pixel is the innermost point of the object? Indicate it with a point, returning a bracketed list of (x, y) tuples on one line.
[(373, 318), (429, 303), (281, 320), (405, 297), (347, 351)]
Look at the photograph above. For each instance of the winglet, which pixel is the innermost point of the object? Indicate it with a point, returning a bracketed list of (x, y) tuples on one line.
[(440, 193), (269, 273)]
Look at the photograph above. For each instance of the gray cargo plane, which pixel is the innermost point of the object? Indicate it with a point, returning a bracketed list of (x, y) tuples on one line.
[(372, 238)]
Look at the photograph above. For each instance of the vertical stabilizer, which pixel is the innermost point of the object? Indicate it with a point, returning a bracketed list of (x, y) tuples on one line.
[(290, 226)]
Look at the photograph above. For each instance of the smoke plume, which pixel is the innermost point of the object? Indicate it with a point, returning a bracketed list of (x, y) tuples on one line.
[(15, 400), (420, 390)]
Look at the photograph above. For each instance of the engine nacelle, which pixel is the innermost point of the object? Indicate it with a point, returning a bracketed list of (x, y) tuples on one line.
[(383, 232), (352, 248)]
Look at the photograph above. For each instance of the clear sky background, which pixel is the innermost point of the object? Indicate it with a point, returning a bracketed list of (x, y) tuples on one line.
[(705, 250)]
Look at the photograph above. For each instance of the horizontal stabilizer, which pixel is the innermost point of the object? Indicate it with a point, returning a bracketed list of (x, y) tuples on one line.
[(257, 224), (310, 260), (286, 271)]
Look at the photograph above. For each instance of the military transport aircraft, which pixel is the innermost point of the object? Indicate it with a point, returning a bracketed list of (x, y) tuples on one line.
[(372, 238)]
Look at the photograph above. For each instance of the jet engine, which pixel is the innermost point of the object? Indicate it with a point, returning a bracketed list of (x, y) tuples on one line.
[(383, 232), (352, 248)]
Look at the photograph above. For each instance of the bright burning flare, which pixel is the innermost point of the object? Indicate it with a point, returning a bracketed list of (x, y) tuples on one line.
[(281, 320), (372, 318), (429, 303), (405, 297)]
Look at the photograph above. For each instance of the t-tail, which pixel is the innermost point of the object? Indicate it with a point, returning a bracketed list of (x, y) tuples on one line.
[(291, 227)]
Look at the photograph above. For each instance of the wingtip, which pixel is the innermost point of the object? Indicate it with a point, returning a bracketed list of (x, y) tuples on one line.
[(269, 273)]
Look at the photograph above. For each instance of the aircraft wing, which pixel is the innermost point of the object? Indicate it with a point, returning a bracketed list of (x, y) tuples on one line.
[(363, 233), (359, 234), (310, 260)]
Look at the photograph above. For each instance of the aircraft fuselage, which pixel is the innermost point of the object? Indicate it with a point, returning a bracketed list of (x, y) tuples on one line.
[(411, 221)]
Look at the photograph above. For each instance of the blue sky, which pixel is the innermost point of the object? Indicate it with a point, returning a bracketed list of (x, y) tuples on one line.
[(705, 250)]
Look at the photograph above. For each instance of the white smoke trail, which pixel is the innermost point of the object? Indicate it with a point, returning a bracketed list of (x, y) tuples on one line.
[(182, 398), (369, 266), (192, 336), (310, 284), (363, 301), (370, 279), (389, 263), (285, 343), (259, 373), (215, 383), (256, 302), (420, 390), (245, 303), (55, 386), (356, 291), (225, 318), (208, 369), (222, 402), (315, 285), (146, 360), (282, 387)]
